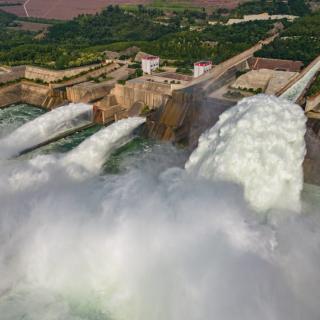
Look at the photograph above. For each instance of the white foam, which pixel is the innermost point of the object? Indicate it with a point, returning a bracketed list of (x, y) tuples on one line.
[(45, 127), (92, 152), (259, 144)]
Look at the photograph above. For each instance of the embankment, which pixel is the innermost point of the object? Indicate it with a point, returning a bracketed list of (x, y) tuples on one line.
[(311, 163), (45, 75), (184, 117), (30, 93)]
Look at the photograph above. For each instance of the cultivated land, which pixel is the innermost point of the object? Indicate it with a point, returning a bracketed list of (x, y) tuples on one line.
[(68, 9)]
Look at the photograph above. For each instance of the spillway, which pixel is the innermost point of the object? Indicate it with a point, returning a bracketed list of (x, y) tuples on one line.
[(157, 241), (45, 127), (295, 91), (259, 143), (91, 153)]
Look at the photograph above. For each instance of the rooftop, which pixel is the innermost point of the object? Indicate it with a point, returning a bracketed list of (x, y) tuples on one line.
[(256, 63), (203, 63), (150, 57)]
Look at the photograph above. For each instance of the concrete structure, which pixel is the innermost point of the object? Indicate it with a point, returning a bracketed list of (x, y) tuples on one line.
[(31, 93), (45, 75), (313, 106), (268, 81), (78, 89), (201, 67), (172, 80), (131, 99), (150, 63), (262, 16)]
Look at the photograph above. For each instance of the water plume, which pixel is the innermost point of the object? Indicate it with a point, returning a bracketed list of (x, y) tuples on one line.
[(259, 143), (91, 153), (154, 242), (45, 127)]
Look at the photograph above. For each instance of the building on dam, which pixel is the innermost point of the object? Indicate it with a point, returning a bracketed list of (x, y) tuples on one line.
[(201, 67), (150, 63)]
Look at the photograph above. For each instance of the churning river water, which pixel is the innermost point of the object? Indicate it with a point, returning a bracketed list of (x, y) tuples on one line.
[(104, 224)]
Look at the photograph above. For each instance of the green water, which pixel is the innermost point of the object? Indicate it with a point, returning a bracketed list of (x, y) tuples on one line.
[(117, 162), (15, 116), (65, 144)]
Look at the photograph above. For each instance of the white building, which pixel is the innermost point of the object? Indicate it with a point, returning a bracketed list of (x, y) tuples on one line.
[(150, 63), (262, 16), (201, 67)]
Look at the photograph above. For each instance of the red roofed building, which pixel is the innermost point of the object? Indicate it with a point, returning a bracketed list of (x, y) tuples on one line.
[(150, 63), (201, 67), (256, 63)]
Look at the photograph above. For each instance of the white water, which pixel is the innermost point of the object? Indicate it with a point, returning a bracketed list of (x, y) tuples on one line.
[(152, 243), (91, 153), (45, 127), (259, 143), (294, 92), (13, 117)]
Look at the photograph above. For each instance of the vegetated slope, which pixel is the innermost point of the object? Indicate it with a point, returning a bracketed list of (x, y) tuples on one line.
[(112, 24), (300, 41), (6, 18), (293, 7), (70, 43), (217, 43)]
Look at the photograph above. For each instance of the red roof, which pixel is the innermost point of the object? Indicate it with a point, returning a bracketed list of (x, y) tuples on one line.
[(256, 63), (203, 63), (150, 58)]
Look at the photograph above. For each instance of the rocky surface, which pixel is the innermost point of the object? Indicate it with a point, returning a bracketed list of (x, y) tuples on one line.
[(31, 93), (311, 163), (184, 117)]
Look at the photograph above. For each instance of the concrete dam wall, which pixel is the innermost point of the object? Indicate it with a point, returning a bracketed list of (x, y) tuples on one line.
[(45, 75), (31, 93), (184, 117)]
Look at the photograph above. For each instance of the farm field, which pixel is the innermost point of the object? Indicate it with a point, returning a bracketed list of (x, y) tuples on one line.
[(68, 9)]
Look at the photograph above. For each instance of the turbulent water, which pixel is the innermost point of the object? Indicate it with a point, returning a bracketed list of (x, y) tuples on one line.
[(45, 127), (155, 241), (15, 116), (259, 144)]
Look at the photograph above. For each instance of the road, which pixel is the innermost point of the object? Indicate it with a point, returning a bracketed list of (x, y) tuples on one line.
[(25, 8)]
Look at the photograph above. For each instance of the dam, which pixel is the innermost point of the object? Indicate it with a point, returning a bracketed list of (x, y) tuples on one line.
[(178, 108), (89, 242)]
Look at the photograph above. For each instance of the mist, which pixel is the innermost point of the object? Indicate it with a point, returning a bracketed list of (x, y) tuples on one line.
[(153, 242)]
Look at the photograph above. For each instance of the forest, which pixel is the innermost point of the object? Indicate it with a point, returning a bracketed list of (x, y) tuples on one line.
[(216, 43), (72, 43), (292, 7), (83, 40), (315, 87), (300, 41)]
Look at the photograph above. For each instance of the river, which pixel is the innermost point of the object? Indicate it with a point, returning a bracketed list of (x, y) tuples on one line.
[(105, 224)]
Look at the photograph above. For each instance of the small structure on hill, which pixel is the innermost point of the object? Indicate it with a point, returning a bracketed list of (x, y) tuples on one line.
[(150, 63), (201, 67), (262, 16)]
